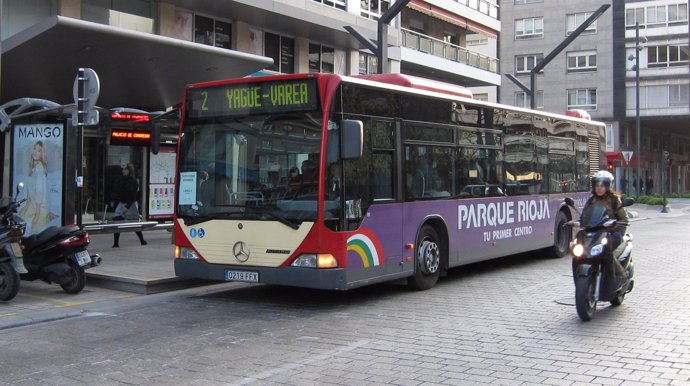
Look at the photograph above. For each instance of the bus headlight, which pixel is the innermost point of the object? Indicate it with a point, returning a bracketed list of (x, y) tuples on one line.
[(578, 250), (185, 253), (312, 260)]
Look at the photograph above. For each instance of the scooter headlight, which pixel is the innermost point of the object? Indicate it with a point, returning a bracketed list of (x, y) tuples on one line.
[(578, 250), (597, 249)]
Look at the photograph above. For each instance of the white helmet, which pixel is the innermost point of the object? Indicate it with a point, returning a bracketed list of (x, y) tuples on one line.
[(603, 177)]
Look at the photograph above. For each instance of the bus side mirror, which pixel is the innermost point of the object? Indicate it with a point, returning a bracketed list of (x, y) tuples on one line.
[(155, 137), (353, 138)]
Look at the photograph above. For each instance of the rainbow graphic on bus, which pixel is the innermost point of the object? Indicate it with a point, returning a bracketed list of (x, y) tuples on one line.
[(366, 245)]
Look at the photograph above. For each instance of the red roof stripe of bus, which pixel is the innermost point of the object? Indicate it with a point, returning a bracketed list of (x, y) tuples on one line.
[(419, 83)]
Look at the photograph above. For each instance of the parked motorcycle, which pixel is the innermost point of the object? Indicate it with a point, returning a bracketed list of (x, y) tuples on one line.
[(59, 255), (11, 230), (593, 270)]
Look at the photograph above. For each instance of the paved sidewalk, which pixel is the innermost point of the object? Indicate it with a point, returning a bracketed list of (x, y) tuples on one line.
[(133, 267)]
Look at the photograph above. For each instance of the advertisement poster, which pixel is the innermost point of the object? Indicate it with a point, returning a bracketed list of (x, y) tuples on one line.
[(37, 153), (162, 183)]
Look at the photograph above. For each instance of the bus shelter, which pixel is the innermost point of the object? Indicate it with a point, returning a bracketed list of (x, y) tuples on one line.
[(42, 153)]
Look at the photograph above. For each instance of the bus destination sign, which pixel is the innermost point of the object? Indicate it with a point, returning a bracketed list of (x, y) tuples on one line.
[(253, 98)]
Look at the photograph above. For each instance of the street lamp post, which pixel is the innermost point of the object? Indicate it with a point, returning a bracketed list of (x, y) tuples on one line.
[(637, 105)]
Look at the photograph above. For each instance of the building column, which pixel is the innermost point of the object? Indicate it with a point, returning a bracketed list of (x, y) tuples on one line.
[(301, 55), (70, 8), (352, 62), (241, 36)]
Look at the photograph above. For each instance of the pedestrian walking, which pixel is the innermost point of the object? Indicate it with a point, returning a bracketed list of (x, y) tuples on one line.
[(128, 208)]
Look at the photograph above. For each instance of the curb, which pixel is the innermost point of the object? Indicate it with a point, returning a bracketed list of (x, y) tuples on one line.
[(142, 286)]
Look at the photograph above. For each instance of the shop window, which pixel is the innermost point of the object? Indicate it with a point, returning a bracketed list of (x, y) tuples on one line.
[(368, 64), (282, 50), (321, 58), (212, 32)]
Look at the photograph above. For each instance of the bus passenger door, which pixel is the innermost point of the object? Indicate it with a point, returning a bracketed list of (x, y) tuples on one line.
[(372, 205)]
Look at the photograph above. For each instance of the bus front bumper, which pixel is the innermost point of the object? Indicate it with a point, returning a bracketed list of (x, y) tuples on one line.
[(332, 278)]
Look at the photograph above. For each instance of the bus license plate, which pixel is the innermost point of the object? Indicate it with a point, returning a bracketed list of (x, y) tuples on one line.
[(246, 276), (83, 258)]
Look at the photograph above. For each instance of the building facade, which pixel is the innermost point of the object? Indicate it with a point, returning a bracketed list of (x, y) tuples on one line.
[(596, 73), (145, 51)]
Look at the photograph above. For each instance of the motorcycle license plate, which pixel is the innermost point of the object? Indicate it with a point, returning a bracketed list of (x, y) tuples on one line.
[(16, 249), (83, 258), (20, 266)]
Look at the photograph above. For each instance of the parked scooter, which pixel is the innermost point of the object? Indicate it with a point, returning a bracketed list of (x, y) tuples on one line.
[(11, 230), (59, 255), (593, 271)]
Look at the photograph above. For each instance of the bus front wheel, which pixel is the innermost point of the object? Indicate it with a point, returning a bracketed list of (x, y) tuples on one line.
[(427, 259)]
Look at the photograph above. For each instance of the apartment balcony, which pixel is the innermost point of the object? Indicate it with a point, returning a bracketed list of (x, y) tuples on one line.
[(425, 54)]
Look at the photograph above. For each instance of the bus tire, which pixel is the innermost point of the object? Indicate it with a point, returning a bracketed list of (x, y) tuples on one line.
[(562, 236), (427, 259)]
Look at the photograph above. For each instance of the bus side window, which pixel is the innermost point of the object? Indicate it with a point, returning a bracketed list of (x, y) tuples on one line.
[(382, 176)]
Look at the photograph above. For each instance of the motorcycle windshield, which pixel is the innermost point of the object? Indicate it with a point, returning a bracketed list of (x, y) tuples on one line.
[(593, 216)]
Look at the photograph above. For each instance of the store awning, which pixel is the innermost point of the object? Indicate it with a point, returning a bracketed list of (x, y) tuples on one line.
[(135, 69), (449, 17)]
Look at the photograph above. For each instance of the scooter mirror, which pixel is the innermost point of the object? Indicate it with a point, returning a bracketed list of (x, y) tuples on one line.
[(627, 202)]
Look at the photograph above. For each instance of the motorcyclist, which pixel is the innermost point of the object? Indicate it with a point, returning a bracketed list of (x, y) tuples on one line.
[(603, 195)]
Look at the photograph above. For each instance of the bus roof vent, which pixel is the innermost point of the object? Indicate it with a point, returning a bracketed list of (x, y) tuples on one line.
[(419, 83)]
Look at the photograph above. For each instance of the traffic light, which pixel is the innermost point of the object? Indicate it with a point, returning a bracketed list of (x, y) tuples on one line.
[(610, 166)]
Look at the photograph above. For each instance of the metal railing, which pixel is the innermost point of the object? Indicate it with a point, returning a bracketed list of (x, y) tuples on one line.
[(442, 49)]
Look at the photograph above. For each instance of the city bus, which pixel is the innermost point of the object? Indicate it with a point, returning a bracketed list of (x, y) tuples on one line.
[(335, 182)]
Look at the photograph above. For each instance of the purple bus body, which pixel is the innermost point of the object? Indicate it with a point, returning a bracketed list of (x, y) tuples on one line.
[(478, 228)]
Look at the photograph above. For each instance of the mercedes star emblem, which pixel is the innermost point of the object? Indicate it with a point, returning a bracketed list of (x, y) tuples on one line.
[(241, 251)]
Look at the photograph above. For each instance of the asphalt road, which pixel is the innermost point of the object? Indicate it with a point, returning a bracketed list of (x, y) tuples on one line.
[(508, 322)]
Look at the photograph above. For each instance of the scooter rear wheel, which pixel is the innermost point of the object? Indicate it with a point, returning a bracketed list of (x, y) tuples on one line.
[(77, 280), (9, 281), (585, 302)]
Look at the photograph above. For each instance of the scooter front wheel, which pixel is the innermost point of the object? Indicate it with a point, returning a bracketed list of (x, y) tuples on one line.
[(9, 281), (77, 279), (585, 301)]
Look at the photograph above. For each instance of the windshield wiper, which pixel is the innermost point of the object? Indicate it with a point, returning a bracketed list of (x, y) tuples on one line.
[(198, 220), (241, 215), (282, 220)]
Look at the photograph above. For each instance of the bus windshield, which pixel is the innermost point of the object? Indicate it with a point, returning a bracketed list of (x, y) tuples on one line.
[(259, 167)]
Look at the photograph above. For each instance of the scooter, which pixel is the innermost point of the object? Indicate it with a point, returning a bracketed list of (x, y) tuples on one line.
[(11, 230), (593, 271), (59, 255)]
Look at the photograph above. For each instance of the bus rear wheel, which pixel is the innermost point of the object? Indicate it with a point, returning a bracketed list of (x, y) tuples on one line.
[(427, 259)]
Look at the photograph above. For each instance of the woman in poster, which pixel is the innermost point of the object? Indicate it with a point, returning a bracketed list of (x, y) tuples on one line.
[(36, 207)]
